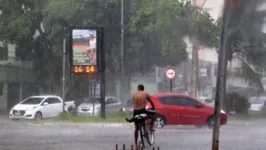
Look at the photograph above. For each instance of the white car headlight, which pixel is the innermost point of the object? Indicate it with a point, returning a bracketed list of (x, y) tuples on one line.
[(222, 111)]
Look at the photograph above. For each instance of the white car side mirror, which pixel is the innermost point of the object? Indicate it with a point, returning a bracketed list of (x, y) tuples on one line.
[(45, 103)]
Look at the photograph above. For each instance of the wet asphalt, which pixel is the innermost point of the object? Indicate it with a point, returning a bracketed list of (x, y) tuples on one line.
[(18, 135)]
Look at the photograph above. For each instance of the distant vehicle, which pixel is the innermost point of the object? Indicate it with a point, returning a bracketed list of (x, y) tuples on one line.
[(179, 109), (207, 101), (39, 107), (112, 104), (128, 107), (257, 103)]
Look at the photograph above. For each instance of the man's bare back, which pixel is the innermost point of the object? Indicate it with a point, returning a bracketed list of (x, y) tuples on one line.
[(139, 99)]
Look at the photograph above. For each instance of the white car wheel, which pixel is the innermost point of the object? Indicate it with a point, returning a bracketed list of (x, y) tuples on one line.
[(38, 116)]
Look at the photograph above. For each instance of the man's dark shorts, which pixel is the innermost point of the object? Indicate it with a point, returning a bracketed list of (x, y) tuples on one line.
[(142, 111)]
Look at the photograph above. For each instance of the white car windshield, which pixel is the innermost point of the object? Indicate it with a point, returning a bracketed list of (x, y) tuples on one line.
[(33, 100), (256, 100)]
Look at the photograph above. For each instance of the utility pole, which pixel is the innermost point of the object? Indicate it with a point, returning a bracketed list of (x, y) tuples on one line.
[(122, 54), (94, 96), (21, 74), (102, 72), (63, 73), (221, 76)]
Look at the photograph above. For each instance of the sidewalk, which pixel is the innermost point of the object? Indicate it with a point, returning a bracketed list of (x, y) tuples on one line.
[(241, 120), (4, 115)]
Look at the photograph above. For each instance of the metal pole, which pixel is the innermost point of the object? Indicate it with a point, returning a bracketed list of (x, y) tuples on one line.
[(102, 94), (122, 53), (102, 72), (171, 85), (221, 78), (63, 74), (185, 76), (94, 96), (21, 80)]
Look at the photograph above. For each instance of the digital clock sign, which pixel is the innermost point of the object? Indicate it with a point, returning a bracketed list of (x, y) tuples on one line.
[(83, 50), (84, 70)]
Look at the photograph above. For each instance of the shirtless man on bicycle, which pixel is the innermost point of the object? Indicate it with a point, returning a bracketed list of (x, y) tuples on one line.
[(139, 102)]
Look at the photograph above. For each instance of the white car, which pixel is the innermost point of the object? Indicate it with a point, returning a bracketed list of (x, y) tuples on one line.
[(39, 107), (257, 103), (112, 104)]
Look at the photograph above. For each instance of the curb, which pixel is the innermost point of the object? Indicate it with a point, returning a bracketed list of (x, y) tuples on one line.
[(246, 122), (106, 125)]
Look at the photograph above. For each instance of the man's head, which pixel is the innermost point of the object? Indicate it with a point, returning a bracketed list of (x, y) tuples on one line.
[(140, 87), (92, 36)]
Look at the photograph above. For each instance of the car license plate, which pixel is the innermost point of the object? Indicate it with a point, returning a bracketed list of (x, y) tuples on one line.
[(17, 113)]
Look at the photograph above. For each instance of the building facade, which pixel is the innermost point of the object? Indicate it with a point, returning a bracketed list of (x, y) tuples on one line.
[(16, 77)]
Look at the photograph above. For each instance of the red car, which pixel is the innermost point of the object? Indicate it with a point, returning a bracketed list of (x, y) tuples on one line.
[(179, 109)]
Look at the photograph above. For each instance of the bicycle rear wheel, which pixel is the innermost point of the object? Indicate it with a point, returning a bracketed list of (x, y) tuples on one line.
[(143, 136)]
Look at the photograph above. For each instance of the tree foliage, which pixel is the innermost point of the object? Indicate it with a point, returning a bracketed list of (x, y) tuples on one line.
[(175, 20), (154, 32), (246, 41)]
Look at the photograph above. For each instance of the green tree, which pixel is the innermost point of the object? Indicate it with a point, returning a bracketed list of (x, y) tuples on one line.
[(246, 41), (154, 32), (171, 21), (21, 23)]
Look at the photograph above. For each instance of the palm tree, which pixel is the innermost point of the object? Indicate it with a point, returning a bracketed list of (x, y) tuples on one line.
[(246, 41)]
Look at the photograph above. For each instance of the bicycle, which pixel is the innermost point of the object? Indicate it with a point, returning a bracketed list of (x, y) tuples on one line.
[(142, 120)]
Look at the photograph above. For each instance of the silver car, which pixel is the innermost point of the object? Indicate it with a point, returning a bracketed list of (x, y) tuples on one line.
[(112, 104), (257, 103), (207, 101)]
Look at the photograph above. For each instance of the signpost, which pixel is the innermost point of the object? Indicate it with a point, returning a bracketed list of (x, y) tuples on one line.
[(170, 74)]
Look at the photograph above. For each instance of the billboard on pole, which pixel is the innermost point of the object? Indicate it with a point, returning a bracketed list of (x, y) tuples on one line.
[(84, 50)]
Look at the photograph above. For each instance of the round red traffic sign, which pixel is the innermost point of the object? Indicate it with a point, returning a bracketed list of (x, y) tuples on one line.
[(170, 73)]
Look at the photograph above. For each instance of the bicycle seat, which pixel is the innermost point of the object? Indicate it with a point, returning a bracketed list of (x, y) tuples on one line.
[(151, 110), (141, 116)]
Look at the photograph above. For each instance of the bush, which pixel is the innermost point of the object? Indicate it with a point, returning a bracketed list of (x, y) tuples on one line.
[(236, 103), (63, 116)]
